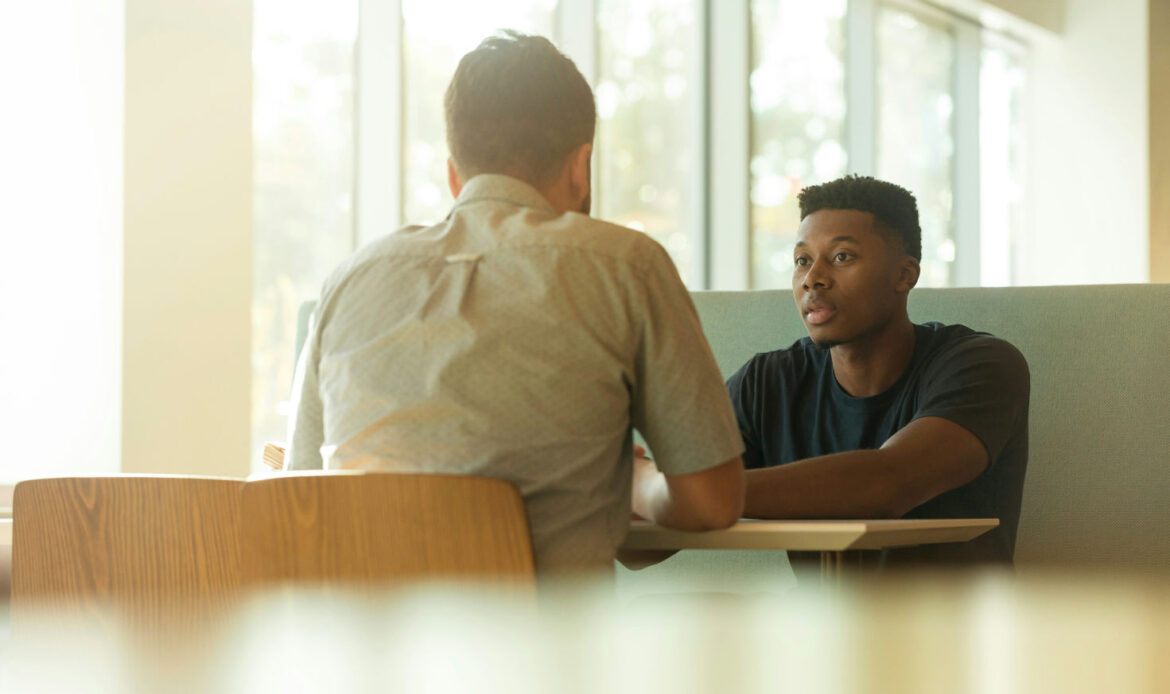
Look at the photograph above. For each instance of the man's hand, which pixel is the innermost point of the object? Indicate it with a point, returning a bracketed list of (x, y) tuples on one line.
[(643, 465), (641, 558)]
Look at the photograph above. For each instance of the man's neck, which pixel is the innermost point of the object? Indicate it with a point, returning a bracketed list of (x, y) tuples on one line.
[(871, 365)]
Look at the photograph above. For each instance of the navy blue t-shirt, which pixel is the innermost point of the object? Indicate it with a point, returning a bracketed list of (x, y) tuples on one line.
[(790, 407)]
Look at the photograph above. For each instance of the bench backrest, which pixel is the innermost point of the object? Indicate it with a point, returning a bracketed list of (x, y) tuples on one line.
[(1098, 481)]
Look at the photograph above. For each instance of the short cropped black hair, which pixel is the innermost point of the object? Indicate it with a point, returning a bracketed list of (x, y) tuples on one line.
[(517, 106), (891, 205)]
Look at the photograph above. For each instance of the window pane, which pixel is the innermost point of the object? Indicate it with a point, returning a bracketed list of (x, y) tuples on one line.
[(1001, 92), (798, 122), (436, 34), (647, 149), (915, 144), (303, 222)]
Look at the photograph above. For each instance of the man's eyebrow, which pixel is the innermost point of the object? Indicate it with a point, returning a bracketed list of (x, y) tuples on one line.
[(835, 239)]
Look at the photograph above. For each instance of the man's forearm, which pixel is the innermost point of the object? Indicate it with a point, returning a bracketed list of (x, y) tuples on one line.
[(925, 458), (855, 484)]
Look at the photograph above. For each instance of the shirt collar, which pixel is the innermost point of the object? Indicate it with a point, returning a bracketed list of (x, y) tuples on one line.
[(501, 188)]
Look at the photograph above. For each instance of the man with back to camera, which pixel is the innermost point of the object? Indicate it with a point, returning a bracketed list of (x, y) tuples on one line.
[(872, 416), (521, 339)]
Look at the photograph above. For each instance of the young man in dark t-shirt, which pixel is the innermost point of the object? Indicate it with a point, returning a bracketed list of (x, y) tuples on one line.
[(872, 416)]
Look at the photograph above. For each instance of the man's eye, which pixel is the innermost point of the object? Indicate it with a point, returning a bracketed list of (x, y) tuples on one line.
[(801, 261), (841, 257)]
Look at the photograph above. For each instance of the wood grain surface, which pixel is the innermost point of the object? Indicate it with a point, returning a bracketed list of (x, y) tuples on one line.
[(380, 528), (152, 548)]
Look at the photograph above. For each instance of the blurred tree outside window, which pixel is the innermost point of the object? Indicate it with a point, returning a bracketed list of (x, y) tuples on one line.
[(915, 129), (303, 142), (798, 122), (647, 157)]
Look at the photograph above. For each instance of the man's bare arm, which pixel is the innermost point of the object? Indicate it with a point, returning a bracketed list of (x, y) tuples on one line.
[(925, 458), (705, 500)]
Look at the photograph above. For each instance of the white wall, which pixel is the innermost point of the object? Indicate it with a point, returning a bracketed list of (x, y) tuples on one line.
[(1089, 154), (61, 89), (188, 237)]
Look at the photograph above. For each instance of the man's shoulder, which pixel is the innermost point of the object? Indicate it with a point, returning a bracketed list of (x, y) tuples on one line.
[(599, 237), (957, 334), (398, 243), (796, 358), (957, 342)]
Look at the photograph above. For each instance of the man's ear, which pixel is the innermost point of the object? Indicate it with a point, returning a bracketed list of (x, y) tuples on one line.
[(908, 272), (454, 183), (580, 171)]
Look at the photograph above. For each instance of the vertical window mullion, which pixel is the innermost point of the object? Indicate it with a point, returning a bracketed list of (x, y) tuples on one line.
[(966, 164), (861, 124), (729, 144), (577, 38), (701, 228), (577, 35), (378, 121)]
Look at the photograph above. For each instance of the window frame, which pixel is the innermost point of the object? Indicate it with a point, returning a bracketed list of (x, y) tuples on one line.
[(721, 237)]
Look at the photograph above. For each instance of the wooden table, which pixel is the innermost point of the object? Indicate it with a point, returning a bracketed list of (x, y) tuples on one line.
[(832, 538)]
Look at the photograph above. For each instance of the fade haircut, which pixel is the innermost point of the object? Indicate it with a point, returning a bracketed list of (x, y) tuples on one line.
[(892, 206), (517, 106)]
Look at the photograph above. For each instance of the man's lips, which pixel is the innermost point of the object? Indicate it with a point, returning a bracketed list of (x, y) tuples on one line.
[(817, 313)]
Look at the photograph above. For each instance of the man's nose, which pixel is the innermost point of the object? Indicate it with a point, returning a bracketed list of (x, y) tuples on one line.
[(817, 277)]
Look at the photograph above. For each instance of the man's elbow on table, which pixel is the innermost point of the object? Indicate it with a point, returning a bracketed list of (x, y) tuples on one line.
[(710, 499)]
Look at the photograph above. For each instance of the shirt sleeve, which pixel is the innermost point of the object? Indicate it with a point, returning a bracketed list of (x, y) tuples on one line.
[(679, 402), (982, 384), (745, 394), (306, 424)]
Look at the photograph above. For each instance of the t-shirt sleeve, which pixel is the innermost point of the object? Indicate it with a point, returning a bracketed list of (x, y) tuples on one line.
[(679, 402), (743, 387), (982, 384)]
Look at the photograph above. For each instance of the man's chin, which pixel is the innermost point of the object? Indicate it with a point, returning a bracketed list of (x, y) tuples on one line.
[(819, 339)]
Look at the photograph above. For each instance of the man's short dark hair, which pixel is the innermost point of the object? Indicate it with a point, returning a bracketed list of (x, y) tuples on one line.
[(517, 106), (892, 206)]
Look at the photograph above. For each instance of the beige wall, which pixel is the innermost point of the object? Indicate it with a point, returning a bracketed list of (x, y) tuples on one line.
[(1048, 15), (1159, 140), (187, 237), (1088, 158)]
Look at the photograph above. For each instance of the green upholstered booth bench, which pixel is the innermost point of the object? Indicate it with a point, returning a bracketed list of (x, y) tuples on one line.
[(1097, 490)]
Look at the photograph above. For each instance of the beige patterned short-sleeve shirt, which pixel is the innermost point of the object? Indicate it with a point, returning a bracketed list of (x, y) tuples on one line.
[(510, 342)]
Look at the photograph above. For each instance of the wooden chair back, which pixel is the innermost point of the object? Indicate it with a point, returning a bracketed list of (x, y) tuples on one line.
[(376, 529), (151, 548)]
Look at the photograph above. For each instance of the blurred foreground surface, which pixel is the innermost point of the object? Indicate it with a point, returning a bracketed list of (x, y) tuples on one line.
[(982, 633)]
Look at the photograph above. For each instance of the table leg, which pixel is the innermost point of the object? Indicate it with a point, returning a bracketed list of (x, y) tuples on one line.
[(831, 564)]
